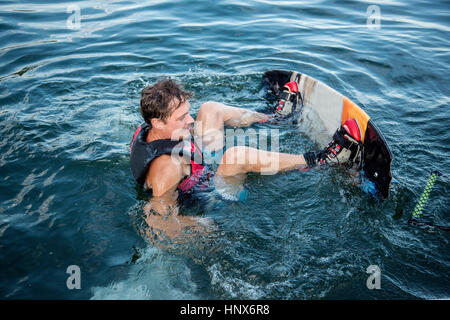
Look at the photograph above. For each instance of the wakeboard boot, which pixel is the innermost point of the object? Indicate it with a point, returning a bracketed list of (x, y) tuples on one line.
[(289, 104), (345, 149)]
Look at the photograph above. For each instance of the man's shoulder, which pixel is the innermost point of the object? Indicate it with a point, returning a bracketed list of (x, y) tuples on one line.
[(164, 173), (165, 164), (165, 167)]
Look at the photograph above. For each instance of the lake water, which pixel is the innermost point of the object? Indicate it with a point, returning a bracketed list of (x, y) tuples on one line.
[(70, 80)]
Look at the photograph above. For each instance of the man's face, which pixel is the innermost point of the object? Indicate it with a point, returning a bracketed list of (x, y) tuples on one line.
[(178, 124)]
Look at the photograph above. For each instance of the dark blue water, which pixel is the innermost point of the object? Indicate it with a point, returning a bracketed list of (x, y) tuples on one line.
[(69, 99)]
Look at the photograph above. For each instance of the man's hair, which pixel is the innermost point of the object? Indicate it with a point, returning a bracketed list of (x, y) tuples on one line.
[(157, 101)]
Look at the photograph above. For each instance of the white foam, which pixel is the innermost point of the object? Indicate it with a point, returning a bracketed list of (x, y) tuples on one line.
[(229, 190), (234, 287), (156, 275)]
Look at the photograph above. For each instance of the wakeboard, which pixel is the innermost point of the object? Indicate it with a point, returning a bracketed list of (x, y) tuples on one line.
[(332, 110)]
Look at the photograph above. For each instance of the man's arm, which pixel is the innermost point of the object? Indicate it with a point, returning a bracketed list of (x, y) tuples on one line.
[(162, 210), (164, 175)]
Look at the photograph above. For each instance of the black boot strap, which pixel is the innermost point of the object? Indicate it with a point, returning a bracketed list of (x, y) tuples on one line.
[(339, 138), (310, 158), (286, 95)]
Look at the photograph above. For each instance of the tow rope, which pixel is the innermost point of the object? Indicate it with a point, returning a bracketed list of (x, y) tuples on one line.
[(423, 201)]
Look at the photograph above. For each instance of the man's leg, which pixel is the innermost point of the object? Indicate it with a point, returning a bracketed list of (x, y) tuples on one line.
[(237, 160), (210, 127), (344, 149), (212, 117)]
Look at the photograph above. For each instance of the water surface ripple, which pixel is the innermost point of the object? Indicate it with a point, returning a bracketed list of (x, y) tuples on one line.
[(69, 104)]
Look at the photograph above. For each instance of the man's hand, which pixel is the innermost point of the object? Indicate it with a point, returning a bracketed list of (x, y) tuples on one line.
[(165, 223), (162, 212)]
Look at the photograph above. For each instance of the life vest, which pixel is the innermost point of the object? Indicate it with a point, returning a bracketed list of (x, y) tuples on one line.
[(142, 153)]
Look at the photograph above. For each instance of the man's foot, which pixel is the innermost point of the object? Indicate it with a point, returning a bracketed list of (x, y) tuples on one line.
[(289, 103), (290, 99), (344, 149)]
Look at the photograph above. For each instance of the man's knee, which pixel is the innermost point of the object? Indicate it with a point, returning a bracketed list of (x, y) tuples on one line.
[(209, 108), (233, 162), (235, 156)]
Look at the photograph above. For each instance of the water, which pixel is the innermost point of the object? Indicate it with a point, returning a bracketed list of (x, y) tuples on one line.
[(69, 102)]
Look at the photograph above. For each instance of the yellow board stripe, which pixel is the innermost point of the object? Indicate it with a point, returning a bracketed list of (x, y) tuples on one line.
[(350, 110)]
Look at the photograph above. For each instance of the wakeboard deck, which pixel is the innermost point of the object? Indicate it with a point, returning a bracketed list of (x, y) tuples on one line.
[(333, 109)]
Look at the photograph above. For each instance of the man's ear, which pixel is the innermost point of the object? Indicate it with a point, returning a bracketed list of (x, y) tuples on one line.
[(157, 123)]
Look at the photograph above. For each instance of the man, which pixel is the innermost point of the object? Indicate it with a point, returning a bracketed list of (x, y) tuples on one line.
[(160, 162)]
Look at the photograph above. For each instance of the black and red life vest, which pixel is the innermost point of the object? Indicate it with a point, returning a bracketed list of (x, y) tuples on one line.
[(142, 153)]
